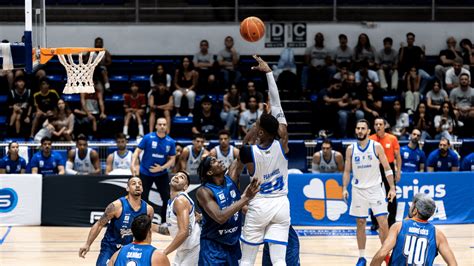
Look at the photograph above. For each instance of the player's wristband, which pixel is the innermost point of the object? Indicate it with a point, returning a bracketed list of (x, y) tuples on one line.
[(389, 172)]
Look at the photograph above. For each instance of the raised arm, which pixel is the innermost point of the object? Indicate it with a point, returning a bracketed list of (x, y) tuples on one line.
[(387, 245)]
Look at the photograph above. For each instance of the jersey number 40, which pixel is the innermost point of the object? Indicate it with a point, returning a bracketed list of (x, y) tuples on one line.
[(415, 250)]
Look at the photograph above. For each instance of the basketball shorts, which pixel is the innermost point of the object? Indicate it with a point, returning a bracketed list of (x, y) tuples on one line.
[(186, 257), (292, 251), (105, 254), (217, 254), (365, 198), (267, 220)]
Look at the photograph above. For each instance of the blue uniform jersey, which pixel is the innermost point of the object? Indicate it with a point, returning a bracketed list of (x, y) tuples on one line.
[(229, 232), (468, 163), (135, 254), (411, 159), (155, 151), (47, 165), (416, 244), (442, 163), (12, 167)]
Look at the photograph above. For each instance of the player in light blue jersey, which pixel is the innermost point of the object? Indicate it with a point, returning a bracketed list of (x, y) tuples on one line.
[(415, 241)]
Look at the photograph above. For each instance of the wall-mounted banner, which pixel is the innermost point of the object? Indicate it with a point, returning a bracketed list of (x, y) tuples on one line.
[(296, 35), (291, 34)]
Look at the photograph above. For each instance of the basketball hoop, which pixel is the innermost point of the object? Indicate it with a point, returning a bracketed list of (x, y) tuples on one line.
[(79, 75)]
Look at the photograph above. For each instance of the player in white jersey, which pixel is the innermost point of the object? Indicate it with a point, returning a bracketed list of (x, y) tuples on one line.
[(82, 160), (192, 155), (224, 151), (181, 223), (119, 161), (364, 159), (327, 160)]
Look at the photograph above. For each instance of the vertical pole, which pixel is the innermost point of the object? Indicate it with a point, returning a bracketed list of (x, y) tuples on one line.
[(334, 10), (27, 34), (236, 11), (44, 41), (137, 11), (433, 2)]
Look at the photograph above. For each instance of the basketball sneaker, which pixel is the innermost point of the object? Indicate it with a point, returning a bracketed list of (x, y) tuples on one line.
[(387, 260), (361, 262)]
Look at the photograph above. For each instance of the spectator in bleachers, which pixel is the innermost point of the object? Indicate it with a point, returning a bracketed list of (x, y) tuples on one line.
[(343, 71), (82, 160), (364, 51), (231, 108), (446, 58), (179, 150), (454, 73), (46, 161), (92, 110), (423, 121), (20, 102), (251, 92), (134, 105), (387, 60), (445, 122), (412, 90), (364, 74), (160, 76), (354, 92), (64, 119), (371, 100), (343, 53), (318, 65), (103, 64), (120, 161), (443, 159), (462, 99), (337, 109), (211, 86), (468, 163), (228, 60), (160, 102), (185, 83), (327, 160), (193, 154), (435, 97), (13, 163), (413, 157), (207, 121), (398, 120), (45, 101), (249, 116), (467, 53), (224, 151), (203, 61)]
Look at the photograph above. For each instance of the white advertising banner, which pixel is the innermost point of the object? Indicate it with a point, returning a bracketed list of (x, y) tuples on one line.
[(20, 199)]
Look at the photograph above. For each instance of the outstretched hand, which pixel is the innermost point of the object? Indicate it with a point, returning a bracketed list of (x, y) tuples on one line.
[(262, 65)]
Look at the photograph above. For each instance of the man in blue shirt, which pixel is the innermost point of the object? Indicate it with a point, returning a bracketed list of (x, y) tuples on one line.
[(468, 163), (443, 159), (159, 155), (12, 163), (413, 158), (46, 161)]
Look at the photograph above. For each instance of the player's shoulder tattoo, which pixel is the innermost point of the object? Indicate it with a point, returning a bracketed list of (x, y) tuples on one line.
[(108, 214)]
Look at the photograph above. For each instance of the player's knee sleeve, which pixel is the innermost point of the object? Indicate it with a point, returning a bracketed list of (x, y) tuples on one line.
[(277, 254), (249, 254)]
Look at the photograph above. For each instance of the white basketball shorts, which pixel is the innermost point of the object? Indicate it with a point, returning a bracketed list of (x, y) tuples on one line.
[(365, 198), (187, 257)]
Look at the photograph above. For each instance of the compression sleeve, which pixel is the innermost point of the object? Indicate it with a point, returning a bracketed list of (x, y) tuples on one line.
[(274, 97), (69, 170)]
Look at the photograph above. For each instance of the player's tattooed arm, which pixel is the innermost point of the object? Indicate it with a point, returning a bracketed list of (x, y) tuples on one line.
[(108, 214)]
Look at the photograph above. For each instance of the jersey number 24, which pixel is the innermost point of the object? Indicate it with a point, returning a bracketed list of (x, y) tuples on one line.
[(275, 185)]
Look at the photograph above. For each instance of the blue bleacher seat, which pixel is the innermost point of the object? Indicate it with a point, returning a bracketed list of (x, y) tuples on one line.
[(3, 120), (3, 99), (71, 97), (467, 147), (115, 118), (389, 99), (119, 78), (182, 120), (114, 98), (297, 155)]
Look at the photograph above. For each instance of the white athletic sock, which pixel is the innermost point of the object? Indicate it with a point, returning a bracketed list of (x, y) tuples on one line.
[(362, 253), (125, 130), (140, 130)]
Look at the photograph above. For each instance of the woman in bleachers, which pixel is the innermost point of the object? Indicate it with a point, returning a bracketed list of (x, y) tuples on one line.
[(435, 97), (364, 51), (371, 101), (185, 82), (60, 126), (423, 121), (445, 122), (412, 90), (159, 75), (399, 120), (231, 109)]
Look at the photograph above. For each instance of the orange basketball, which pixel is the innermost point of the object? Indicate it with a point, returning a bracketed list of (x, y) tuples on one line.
[(252, 29)]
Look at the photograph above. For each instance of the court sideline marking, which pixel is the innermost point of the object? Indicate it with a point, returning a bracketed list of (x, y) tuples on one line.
[(9, 228)]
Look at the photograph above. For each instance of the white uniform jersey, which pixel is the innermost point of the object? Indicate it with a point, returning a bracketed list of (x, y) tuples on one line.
[(172, 223), (365, 166), (193, 161), (325, 166), (271, 167), (122, 162), (83, 165), (226, 159)]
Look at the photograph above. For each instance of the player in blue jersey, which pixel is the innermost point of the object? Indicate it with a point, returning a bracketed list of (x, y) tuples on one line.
[(468, 163), (12, 163), (120, 213), (47, 161), (443, 159), (415, 241), (221, 203), (413, 158), (140, 252)]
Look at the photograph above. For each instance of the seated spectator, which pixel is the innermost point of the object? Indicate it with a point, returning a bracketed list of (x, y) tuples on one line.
[(45, 101), (446, 59), (179, 150), (387, 60), (398, 120), (185, 83), (20, 103), (364, 51), (211, 85), (203, 61), (412, 94), (343, 53), (364, 74), (47, 161), (228, 60), (454, 73), (193, 154), (352, 89), (120, 161), (230, 110), (160, 76), (462, 99), (443, 159), (445, 122), (467, 54), (343, 73), (286, 64), (423, 121), (224, 151), (82, 160), (160, 102), (435, 97), (318, 66), (468, 163), (49, 129), (207, 121), (249, 116), (92, 110), (134, 104), (372, 102), (13, 163), (327, 160), (251, 91), (101, 69), (64, 120), (413, 157)]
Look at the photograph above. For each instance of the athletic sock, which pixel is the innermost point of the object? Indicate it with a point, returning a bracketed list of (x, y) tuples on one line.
[(362, 253)]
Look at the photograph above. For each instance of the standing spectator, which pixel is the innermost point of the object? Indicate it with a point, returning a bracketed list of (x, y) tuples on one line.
[(160, 76), (443, 159), (423, 121), (468, 163), (445, 122), (159, 153), (185, 82), (387, 60), (82, 160), (399, 120), (134, 104), (120, 161), (343, 53), (435, 97), (12, 163), (207, 121), (413, 157), (92, 110), (454, 73), (230, 110), (318, 65), (47, 161), (45, 101), (412, 94), (203, 61), (371, 101), (249, 116), (251, 92), (106, 61), (20, 102), (446, 58), (391, 149), (327, 160), (160, 102), (462, 99), (193, 154), (228, 60), (364, 74), (364, 51)]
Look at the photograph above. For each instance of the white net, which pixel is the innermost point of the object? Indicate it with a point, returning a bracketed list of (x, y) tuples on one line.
[(79, 76)]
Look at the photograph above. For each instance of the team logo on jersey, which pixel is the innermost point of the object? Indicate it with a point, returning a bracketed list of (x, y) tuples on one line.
[(41, 163), (126, 218), (221, 196), (357, 159), (168, 148), (154, 144), (233, 194), (324, 200), (7, 168)]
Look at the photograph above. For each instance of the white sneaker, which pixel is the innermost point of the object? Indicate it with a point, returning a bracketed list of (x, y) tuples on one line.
[(107, 86)]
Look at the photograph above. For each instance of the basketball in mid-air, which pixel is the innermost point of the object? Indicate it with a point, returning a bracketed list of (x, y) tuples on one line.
[(252, 29)]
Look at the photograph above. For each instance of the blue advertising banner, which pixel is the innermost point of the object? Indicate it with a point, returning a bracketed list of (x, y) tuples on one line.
[(316, 199)]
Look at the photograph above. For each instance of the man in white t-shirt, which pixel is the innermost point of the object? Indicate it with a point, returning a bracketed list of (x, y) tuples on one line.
[(453, 74), (249, 116)]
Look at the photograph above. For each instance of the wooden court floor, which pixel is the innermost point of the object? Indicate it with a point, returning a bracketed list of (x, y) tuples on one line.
[(59, 246)]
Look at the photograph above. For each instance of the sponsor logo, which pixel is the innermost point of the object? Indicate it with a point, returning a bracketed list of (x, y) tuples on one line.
[(233, 194), (154, 144), (324, 199), (228, 231), (8, 199)]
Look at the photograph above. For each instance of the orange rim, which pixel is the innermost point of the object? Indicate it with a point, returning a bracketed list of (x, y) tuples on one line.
[(47, 53)]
